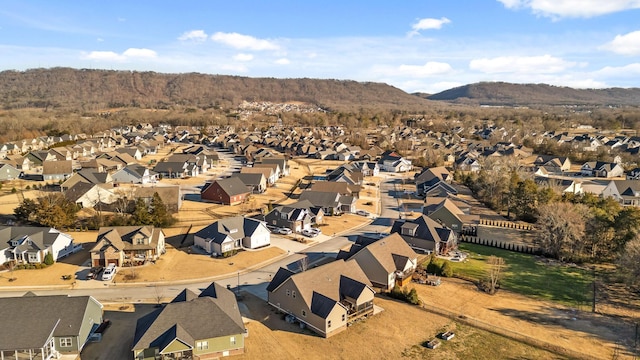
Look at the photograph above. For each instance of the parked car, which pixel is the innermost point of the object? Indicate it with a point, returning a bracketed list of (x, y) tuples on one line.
[(284, 231), (109, 272), (94, 272), (315, 230), (309, 233), (362, 213)]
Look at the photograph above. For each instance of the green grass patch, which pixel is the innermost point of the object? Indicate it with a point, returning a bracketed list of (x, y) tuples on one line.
[(525, 275)]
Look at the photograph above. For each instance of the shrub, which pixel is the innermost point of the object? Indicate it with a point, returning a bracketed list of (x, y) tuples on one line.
[(447, 269), (48, 259), (229, 253), (410, 296), (13, 190)]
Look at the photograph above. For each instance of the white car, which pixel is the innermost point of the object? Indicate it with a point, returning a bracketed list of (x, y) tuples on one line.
[(284, 231), (109, 272), (309, 233), (362, 213)]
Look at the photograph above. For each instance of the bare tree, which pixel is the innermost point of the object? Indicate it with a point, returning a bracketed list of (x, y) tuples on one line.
[(629, 261), (159, 295), (561, 229), (496, 267)]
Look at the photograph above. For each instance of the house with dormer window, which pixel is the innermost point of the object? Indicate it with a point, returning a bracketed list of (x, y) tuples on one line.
[(127, 244)]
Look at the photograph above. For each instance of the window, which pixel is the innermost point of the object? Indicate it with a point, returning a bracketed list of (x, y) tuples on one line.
[(66, 342), (283, 216), (232, 340), (293, 293), (140, 241), (304, 313), (329, 323), (344, 317), (33, 257), (288, 292), (202, 345)]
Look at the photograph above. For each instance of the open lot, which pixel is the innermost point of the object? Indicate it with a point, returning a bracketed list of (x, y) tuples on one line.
[(399, 332)]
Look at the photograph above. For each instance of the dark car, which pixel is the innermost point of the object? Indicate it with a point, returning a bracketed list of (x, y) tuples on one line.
[(94, 272)]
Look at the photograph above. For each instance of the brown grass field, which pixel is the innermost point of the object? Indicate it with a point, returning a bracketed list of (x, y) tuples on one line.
[(396, 333)]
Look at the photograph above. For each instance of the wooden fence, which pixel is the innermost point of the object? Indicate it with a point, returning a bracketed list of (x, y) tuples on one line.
[(506, 224), (517, 247)]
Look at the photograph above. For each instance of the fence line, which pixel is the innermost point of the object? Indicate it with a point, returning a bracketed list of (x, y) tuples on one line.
[(506, 224), (521, 248)]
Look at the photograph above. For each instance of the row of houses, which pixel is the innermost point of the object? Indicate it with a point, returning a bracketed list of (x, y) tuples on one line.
[(205, 325)]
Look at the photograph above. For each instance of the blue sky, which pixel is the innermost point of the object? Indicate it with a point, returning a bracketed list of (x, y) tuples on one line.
[(415, 45)]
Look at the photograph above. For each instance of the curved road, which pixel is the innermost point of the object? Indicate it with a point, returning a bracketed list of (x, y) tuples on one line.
[(254, 281)]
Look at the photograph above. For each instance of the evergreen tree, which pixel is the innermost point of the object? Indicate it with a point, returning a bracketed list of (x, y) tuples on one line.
[(141, 214)]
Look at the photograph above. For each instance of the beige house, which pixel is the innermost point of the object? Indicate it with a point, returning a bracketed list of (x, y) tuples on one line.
[(127, 244), (385, 262), (325, 298)]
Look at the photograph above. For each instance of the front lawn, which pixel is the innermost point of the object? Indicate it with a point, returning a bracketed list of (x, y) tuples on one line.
[(528, 276)]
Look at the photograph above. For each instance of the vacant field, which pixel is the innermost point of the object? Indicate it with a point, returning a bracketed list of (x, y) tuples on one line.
[(529, 275), (580, 331), (397, 332)]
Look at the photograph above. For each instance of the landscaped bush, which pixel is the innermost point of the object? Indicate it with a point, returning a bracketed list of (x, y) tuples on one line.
[(404, 294), (229, 253), (48, 259), (446, 270)]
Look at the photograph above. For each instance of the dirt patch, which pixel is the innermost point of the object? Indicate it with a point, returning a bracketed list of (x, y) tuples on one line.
[(583, 332)]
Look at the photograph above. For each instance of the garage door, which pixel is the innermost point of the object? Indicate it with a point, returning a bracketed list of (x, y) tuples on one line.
[(98, 262), (112, 261)]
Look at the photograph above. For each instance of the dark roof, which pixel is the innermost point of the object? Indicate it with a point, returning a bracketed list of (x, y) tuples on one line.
[(232, 186), (204, 317), (236, 227), (322, 305), (39, 317), (281, 275)]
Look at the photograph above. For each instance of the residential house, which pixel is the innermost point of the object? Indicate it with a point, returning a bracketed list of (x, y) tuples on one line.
[(30, 244), (87, 176), (274, 166), (553, 164), (426, 235), (391, 161), (229, 191), (256, 182), (430, 177), (121, 245), (88, 196), (280, 161), (446, 212), (267, 172), (326, 298), (634, 174), (231, 234), (134, 174), (298, 216), (8, 172), (49, 325), (175, 169), (346, 173), (367, 168), (134, 152), (171, 195), (57, 170), (205, 326), (601, 169), (626, 192), (385, 261), (331, 202), (340, 187)]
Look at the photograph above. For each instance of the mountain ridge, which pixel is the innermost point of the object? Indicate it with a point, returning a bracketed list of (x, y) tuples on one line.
[(510, 94)]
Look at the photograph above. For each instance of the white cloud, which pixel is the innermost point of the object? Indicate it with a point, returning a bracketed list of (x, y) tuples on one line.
[(240, 41), (129, 54), (243, 57), (103, 56), (628, 44), (283, 61), (545, 64), (194, 35), (139, 53), (431, 68), (572, 8), (428, 24), (620, 71)]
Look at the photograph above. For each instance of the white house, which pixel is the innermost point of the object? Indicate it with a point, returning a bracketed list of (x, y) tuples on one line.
[(231, 234), (31, 244)]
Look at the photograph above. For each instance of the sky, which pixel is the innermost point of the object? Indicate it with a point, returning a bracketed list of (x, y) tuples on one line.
[(415, 45)]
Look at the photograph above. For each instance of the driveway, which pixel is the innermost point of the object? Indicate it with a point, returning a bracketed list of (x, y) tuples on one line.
[(117, 339)]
